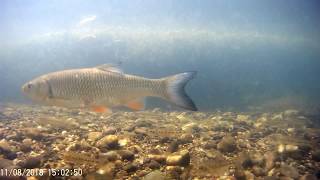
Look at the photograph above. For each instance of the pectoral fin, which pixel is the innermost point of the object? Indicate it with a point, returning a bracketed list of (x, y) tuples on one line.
[(136, 105), (101, 109)]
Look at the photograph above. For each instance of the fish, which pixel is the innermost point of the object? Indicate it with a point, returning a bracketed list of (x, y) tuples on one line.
[(103, 87)]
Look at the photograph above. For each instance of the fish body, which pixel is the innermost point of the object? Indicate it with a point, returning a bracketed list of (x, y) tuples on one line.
[(106, 86)]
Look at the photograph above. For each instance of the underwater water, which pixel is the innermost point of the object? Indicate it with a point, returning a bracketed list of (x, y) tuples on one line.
[(256, 89)]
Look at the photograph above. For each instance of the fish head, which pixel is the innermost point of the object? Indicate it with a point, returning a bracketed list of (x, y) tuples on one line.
[(37, 89)]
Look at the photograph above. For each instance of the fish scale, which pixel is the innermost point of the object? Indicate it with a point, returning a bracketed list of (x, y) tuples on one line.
[(106, 86)]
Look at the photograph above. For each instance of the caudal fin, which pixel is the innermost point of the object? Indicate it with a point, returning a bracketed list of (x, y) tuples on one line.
[(175, 90)]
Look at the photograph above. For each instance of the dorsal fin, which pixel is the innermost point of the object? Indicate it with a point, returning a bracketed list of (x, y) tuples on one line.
[(110, 68)]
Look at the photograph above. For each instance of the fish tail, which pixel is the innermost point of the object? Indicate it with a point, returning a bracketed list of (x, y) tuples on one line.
[(175, 92)]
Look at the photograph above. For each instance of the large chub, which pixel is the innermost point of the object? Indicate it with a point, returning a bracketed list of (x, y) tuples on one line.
[(175, 90)]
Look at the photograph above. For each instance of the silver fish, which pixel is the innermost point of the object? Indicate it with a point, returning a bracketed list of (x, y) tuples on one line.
[(104, 87)]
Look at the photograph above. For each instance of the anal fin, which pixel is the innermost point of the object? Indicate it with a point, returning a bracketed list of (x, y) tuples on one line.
[(136, 104), (101, 109)]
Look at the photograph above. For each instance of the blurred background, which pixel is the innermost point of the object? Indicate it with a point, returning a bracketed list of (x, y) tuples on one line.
[(249, 54)]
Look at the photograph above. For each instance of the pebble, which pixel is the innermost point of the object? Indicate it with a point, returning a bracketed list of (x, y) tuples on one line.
[(4, 163), (94, 136), (5, 146), (173, 146), (289, 171), (293, 152), (270, 158), (258, 171), (155, 175), (131, 167), (190, 127), (157, 157), (141, 131), (126, 155), (111, 155), (109, 130), (109, 141), (106, 170), (185, 138), (33, 133), (31, 162), (316, 155), (153, 164), (210, 144), (227, 144), (308, 177), (179, 159)]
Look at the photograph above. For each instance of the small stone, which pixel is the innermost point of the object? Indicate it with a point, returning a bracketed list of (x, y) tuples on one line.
[(132, 167), (141, 131), (93, 136), (227, 144), (109, 130), (210, 145), (153, 164), (155, 175), (190, 127), (123, 142), (4, 163), (270, 158), (157, 157), (293, 152), (111, 155), (106, 170), (241, 118), (179, 159), (109, 141), (248, 175), (27, 142), (257, 159), (32, 162), (33, 133), (185, 138), (126, 155), (289, 171), (308, 177), (316, 155), (173, 147), (5, 146), (258, 171), (142, 123)]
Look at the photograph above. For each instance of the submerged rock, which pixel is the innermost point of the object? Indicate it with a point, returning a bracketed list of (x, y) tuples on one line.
[(308, 177), (179, 159), (93, 136), (157, 157), (289, 171), (153, 164), (109, 141), (155, 175), (131, 167), (227, 144), (32, 162), (126, 155), (316, 155)]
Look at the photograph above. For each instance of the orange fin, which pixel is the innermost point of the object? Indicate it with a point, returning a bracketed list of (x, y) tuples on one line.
[(136, 105), (101, 109)]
